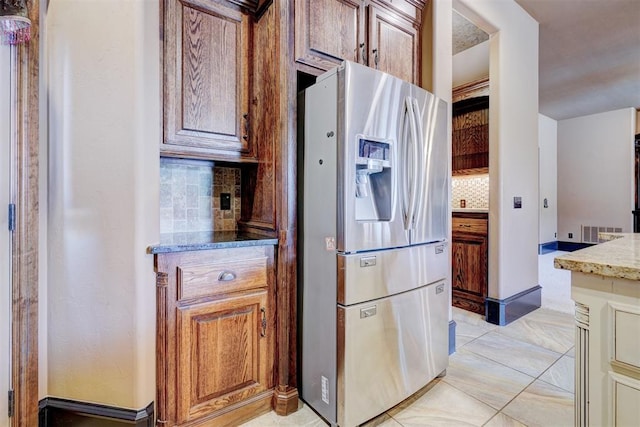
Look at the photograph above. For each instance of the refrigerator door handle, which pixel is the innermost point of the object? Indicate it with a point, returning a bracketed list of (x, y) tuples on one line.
[(405, 174), (421, 162), (413, 165)]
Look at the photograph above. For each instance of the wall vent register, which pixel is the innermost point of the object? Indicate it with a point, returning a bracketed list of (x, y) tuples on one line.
[(590, 233)]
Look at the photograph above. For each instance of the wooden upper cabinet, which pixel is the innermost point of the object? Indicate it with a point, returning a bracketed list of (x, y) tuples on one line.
[(206, 79), (470, 127), (380, 34), (394, 44), (327, 31)]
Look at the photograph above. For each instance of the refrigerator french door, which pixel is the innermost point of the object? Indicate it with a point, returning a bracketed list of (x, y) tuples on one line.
[(374, 260)]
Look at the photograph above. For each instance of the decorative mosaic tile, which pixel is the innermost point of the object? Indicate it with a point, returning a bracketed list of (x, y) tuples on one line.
[(473, 189)]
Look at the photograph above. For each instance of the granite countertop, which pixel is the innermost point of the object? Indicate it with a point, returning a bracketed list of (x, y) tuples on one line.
[(202, 240), (470, 210), (619, 257)]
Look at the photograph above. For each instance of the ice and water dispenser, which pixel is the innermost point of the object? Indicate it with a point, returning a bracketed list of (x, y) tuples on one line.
[(373, 180)]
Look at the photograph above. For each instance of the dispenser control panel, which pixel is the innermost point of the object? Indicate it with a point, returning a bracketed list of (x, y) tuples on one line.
[(376, 150)]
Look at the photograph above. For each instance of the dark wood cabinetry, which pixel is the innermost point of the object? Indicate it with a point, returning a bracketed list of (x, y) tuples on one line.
[(229, 94), (394, 44), (206, 79), (380, 34), (469, 256), (216, 335), (470, 125), (328, 31)]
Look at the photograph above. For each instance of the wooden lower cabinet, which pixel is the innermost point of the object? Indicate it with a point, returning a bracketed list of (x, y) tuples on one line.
[(215, 336), (469, 255)]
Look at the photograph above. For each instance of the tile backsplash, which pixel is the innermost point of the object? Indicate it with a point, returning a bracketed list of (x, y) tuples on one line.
[(474, 189), (190, 196)]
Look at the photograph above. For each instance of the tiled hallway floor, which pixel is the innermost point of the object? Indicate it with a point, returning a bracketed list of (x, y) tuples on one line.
[(515, 375)]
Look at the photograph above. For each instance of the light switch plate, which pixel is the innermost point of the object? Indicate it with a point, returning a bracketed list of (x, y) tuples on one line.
[(517, 202), (225, 201)]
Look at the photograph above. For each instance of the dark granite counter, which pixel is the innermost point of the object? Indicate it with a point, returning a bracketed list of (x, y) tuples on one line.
[(202, 240)]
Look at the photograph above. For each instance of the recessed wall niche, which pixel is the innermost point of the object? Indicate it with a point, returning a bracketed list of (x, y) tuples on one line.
[(190, 196)]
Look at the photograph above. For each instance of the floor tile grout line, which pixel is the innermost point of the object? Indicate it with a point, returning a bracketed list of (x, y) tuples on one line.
[(550, 349), (529, 385), (474, 398), (511, 367)]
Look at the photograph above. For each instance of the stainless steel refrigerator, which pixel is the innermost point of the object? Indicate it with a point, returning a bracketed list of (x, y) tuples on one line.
[(374, 225)]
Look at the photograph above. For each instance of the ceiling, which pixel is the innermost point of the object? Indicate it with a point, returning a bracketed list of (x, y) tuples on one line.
[(465, 34), (589, 55)]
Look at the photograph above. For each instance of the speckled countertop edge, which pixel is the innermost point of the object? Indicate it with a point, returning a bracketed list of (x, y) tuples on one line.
[(198, 241), (470, 210), (619, 257)]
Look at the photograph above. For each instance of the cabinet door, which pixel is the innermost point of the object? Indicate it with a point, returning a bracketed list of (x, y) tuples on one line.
[(206, 78), (327, 31), (469, 265), (222, 355), (470, 141), (393, 45)]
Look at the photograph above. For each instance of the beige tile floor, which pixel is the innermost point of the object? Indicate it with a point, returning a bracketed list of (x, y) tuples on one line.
[(515, 375)]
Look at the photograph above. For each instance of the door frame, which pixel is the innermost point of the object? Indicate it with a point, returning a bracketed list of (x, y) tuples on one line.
[(24, 239)]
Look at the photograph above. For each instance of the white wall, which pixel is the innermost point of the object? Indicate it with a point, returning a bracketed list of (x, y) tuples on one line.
[(513, 138), (595, 172), (548, 164), (104, 129), (471, 64), (441, 84)]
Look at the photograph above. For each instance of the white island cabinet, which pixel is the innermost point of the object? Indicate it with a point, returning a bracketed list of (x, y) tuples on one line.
[(605, 285)]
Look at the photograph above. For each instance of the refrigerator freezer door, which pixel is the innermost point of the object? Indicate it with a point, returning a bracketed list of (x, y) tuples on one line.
[(376, 274), (388, 349), (430, 217)]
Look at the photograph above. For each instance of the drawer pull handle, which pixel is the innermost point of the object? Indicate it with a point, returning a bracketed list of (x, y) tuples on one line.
[(465, 225), (226, 276), (263, 333)]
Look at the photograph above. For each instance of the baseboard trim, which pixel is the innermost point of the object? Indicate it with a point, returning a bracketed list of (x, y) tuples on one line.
[(285, 400), (55, 412), (502, 312), (452, 336), (545, 248), (572, 246)]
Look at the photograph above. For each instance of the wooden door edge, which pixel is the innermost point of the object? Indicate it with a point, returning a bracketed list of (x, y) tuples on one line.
[(24, 346)]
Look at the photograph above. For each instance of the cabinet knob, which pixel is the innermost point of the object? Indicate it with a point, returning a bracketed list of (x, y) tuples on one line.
[(375, 57), (226, 276), (363, 52)]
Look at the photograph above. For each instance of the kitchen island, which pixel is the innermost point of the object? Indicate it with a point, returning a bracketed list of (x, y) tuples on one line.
[(605, 285)]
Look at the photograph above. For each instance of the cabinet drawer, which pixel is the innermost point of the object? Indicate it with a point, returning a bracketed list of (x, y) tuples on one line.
[(221, 277), (469, 225)]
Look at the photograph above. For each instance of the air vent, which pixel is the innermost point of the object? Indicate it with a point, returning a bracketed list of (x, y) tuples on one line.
[(590, 233)]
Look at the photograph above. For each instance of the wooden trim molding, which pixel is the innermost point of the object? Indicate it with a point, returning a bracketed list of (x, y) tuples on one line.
[(24, 194), (286, 392), (472, 89)]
